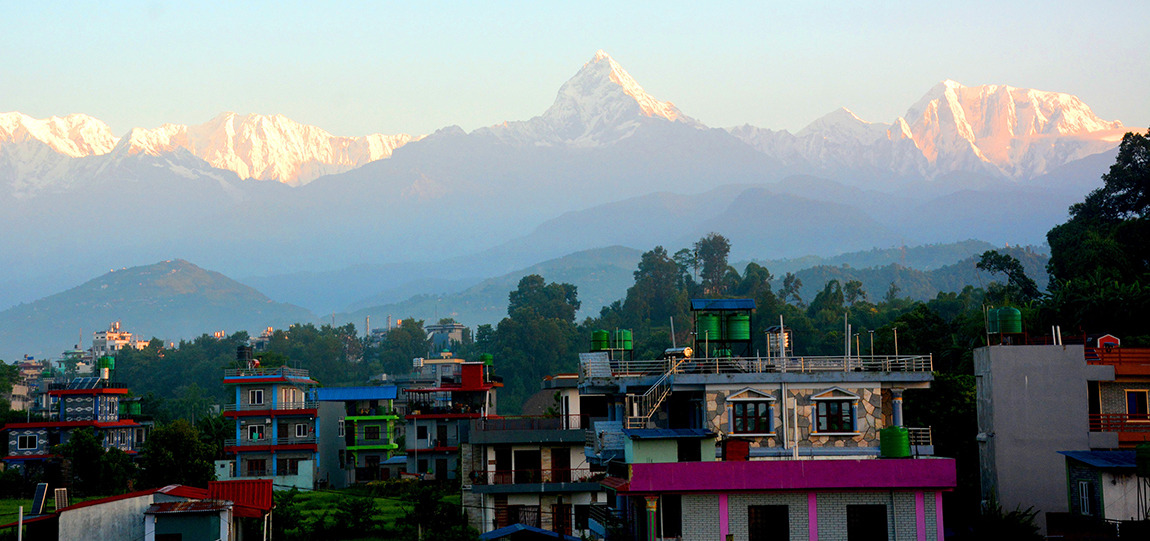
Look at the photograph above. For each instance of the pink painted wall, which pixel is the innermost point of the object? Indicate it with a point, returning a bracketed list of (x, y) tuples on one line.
[(935, 473)]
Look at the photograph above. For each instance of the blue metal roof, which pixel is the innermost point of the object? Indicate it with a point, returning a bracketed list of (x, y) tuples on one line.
[(1106, 460), (340, 394), (397, 459), (516, 528), (664, 433), (722, 304)]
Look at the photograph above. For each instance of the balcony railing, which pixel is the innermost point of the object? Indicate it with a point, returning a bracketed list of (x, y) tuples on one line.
[(531, 422), (279, 371), (1128, 361), (269, 441), (920, 436), (1119, 422), (744, 365), (518, 477), (606, 516), (279, 406)]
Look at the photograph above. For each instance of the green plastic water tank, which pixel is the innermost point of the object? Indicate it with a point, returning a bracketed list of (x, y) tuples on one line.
[(622, 340), (709, 327), (1142, 460), (894, 442), (106, 362), (1009, 321), (992, 321), (599, 340), (46, 373), (738, 327), (487, 359)]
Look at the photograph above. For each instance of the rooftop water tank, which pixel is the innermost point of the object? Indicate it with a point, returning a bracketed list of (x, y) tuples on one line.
[(894, 442), (599, 340), (1009, 320), (738, 327), (709, 327)]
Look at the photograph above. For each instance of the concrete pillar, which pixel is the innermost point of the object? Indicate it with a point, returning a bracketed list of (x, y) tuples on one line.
[(896, 407), (652, 516)]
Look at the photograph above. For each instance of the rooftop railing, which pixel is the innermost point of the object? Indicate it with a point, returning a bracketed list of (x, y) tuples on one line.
[(531, 422), (1126, 360), (269, 441), (279, 371), (753, 365)]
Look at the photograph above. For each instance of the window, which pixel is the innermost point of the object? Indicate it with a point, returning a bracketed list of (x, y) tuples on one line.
[(834, 416), (371, 432), (689, 450), (582, 514), (255, 432), (767, 523), (258, 467), (1136, 406), (140, 435), (751, 418), (421, 432), (256, 397), (300, 430), (866, 523), (341, 433), (1084, 498), (287, 466), (26, 442)]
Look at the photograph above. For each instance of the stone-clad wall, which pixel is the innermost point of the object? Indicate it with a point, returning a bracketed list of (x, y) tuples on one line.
[(873, 414), (1113, 395)]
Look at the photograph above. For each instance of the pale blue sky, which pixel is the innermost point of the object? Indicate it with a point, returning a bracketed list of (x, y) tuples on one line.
[(390, 67)]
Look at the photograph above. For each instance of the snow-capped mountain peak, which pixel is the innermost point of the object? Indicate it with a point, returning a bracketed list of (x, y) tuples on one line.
[(842, 125), (75, 135), (267, 147)]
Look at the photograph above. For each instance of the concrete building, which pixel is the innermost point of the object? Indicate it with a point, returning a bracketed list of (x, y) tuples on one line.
[(1032, 403), (358, 435), (275, 427), (440, 336), (531, 470), (799, 438), (438, 417), (82, 403), (107, 343)]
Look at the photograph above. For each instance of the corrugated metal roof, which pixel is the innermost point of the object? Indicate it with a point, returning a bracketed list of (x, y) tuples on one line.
[(197, 506), (1106, 460), (254, 493), (339, 394), (398, 459), (516, 528), (665, 433), (722, 304)]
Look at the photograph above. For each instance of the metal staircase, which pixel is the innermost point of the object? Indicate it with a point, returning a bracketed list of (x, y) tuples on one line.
[(641, 408)]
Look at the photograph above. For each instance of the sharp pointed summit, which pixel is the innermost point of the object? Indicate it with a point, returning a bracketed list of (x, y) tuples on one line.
[(601, 104)]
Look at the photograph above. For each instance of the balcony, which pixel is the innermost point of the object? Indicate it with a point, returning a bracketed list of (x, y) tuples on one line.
[(310, 440), (1119, 422), (522, 477), (758, 365), (1126, 361), (279, 406)]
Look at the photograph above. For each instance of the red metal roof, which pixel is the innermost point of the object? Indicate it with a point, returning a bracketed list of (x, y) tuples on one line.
[(252, 493), (59, 392), (194, 506), (617, 484), (179, 491)]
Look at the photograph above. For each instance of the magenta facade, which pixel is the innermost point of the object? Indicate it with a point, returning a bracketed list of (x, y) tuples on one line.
[(793, 475)]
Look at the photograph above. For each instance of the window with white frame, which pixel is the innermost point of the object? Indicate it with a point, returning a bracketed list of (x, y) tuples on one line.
[(341, 433), (1084, 498), (255, 432), (25, 443), (300, 430), (256, 397), (751, 417), (834, 416)]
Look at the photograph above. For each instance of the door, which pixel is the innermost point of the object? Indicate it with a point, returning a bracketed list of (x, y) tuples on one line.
[(440, 468), (768, 523), (441, 436), (528, 466), (502, 466), (560, 465)]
